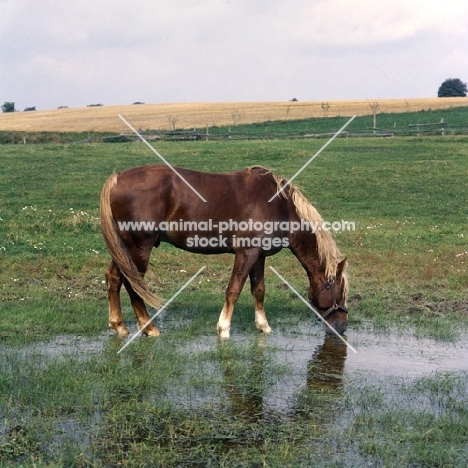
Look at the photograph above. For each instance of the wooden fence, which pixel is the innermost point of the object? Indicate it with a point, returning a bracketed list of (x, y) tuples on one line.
[(440, 128), (232, 134), (428, 127)]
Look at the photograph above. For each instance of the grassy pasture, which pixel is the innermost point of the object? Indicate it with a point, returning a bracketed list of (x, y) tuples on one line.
[(83, 405), (201, 115)]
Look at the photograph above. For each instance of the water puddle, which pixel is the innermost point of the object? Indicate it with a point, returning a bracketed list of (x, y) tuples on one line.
[(280, 365), (405, 355), (59, 347), (307, 359), (300, 348), (296, 377)]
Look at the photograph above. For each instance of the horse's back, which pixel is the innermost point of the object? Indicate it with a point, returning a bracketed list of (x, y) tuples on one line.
[(233, 187)]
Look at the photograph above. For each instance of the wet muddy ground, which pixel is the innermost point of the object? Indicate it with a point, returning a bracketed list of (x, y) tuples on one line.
[(250, 388)]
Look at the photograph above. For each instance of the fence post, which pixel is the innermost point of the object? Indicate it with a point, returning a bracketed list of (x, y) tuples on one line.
[(375, 106)]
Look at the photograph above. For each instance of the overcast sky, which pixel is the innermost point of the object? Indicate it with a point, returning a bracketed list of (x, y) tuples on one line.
[(73, 53)]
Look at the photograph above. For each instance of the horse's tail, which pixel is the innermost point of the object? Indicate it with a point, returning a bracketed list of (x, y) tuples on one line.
[(119, 250)]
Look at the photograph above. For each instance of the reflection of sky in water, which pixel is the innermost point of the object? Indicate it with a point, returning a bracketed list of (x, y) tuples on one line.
[(406, 355), (295, 373), (307, 360), (384, 353), (316, 362)]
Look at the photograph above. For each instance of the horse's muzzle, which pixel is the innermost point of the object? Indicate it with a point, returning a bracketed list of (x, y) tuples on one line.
[(338, 325)]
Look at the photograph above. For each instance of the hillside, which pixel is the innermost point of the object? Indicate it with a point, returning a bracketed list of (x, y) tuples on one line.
[(200, 115)]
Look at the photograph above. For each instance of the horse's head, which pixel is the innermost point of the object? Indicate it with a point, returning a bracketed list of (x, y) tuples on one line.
[(328, 296)]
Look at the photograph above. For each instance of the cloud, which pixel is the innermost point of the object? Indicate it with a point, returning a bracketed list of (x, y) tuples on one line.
[(75, 53), (367, 21)]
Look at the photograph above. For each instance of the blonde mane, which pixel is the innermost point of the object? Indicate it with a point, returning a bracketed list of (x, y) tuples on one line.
[(327, 249)]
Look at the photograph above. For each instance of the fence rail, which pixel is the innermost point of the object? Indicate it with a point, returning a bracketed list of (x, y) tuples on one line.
[(429, 127)]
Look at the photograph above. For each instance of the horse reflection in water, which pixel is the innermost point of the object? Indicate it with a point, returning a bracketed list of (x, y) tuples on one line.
[(317, 401), (325, 369), (246, 390)]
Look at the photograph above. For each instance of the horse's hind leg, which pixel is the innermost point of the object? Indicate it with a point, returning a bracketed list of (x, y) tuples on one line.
[(143, 319), (114, 279), (140, 257), (257, 286)]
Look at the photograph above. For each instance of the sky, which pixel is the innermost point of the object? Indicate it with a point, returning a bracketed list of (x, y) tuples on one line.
[(74, 53)]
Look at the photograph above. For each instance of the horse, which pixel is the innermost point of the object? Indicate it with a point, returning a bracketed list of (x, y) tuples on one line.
[(144, 206)]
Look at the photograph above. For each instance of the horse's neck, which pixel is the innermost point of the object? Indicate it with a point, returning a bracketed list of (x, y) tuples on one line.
[(303, 245)]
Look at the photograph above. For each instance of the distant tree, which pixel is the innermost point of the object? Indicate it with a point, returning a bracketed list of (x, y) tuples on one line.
[(325, 107), (452, 87), (28, 109), (8, 107), (172, 119)]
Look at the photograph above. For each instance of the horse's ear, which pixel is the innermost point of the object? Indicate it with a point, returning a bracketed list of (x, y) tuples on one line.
[(342, 266)]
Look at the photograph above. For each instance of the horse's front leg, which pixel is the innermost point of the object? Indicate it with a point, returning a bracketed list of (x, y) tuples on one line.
[(257, 286), (243, 263)]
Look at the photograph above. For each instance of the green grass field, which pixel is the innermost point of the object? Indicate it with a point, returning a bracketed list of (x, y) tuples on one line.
[(455, 120), (87, 406)]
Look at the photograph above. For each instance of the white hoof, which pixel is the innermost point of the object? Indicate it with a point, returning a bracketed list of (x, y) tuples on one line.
[(262, 325), (223, 332)]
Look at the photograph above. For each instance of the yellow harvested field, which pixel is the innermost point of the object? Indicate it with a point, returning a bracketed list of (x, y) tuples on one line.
[(201, 115)]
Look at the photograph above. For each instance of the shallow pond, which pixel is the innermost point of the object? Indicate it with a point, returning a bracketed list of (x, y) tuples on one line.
[(298, 380), (299, 349), (309, 358)]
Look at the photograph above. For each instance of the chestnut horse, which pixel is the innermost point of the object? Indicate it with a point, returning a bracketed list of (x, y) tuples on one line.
[(144, 206)]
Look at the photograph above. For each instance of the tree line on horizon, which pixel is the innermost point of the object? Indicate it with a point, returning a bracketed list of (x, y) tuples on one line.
[(451, 87)]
